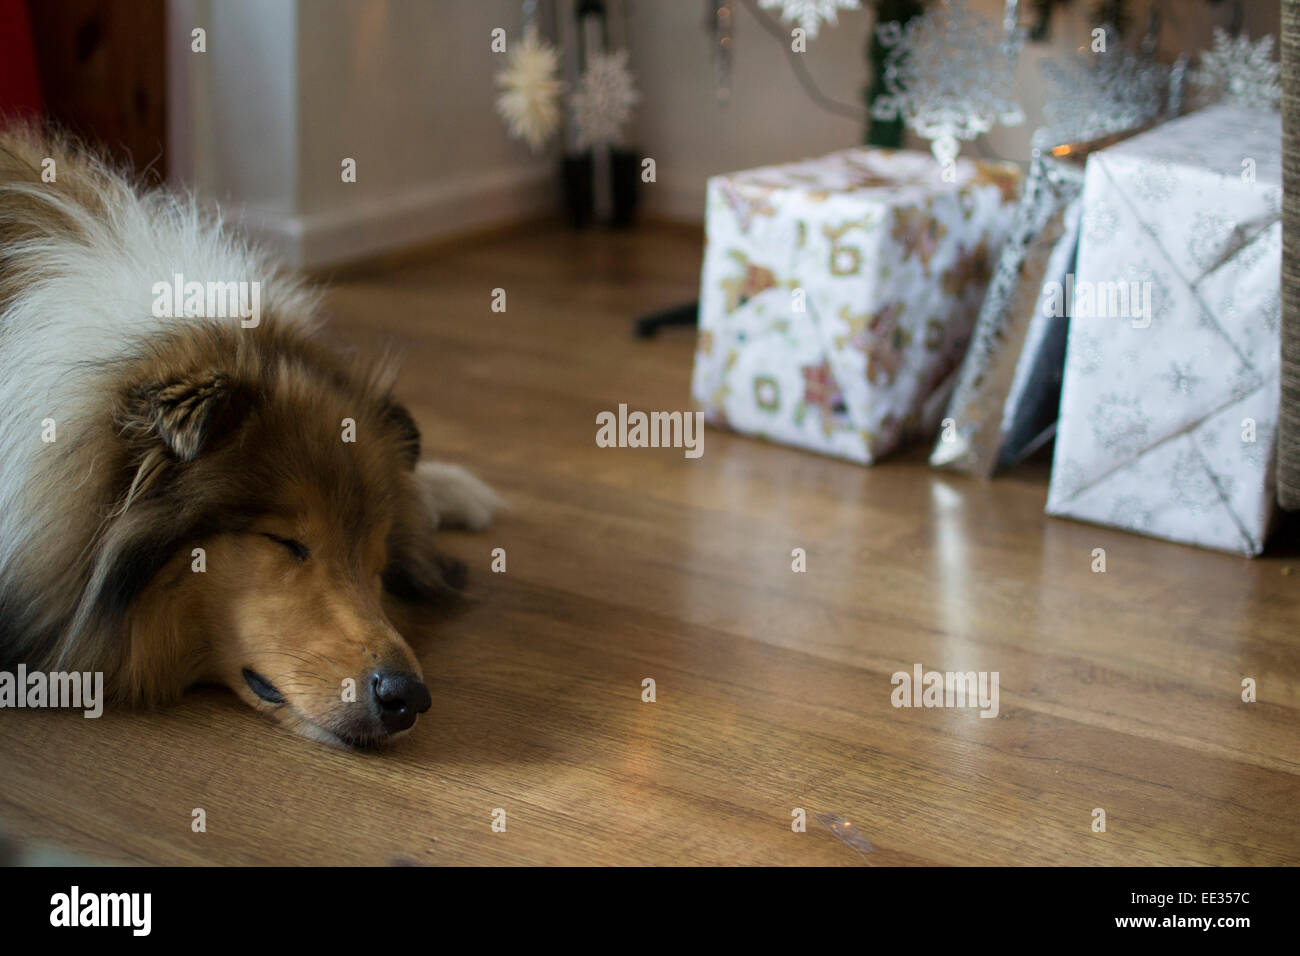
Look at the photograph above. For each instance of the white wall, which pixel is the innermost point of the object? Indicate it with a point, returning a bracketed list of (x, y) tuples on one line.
[(769, 118), (288, 88), (407, 89), (231, 108)]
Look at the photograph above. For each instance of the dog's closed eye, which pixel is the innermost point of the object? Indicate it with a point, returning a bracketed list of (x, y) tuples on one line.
[(296, 548), (262, 687)]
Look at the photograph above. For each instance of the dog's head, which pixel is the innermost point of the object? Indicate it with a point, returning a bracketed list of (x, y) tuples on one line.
[(268, 504)]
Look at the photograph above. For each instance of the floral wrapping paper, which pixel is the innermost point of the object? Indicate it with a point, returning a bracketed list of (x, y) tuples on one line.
[(1168, 429), (837, 294)]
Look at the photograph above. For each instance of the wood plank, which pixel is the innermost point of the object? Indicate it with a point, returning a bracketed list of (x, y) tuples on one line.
[(1118, 690)]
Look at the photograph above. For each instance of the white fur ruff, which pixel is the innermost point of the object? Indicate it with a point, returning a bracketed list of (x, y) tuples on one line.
[(84, 305)]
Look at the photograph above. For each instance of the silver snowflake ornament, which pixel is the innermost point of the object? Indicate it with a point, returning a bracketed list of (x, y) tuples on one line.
[(1106, 93), (603, 102), (949, 77), (529, 100), (1242, 72), (809, 14)]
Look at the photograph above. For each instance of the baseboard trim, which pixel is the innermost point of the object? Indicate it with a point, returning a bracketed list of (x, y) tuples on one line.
[(415, 216)]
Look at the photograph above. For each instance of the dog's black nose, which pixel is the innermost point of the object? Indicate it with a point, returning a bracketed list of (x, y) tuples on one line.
[(401, 698)]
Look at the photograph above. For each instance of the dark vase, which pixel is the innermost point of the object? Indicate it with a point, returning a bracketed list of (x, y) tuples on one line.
[(577, 172), (624, 177)]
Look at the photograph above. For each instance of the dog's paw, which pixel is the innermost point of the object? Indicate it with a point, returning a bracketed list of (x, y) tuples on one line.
[(454, 498)]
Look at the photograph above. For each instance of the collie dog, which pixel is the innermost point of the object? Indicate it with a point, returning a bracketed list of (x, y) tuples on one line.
[(200, 498)]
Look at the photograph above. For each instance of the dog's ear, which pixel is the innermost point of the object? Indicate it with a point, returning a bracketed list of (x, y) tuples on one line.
[(408, 434), (187, 414)]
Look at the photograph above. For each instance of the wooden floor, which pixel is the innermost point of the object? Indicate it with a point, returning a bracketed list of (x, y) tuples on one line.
[(1119, 691)]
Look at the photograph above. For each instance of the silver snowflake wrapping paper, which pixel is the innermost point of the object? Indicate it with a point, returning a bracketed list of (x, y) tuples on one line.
[(1006, 394), (837, 294), (1167, 425)]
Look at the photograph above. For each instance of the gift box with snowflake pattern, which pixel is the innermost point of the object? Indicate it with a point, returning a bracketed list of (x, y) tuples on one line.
[(838, 294), (1167, 419)]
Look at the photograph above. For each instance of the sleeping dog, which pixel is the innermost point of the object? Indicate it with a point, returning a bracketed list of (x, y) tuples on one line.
[(193, 492)]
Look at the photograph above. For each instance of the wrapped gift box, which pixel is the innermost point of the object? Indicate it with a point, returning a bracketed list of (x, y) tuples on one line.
[(838, 294), (1167, 419), (1008, 390)]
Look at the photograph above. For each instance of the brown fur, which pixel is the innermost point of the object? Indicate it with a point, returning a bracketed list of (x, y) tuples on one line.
[(228, 440), (240, 437)]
